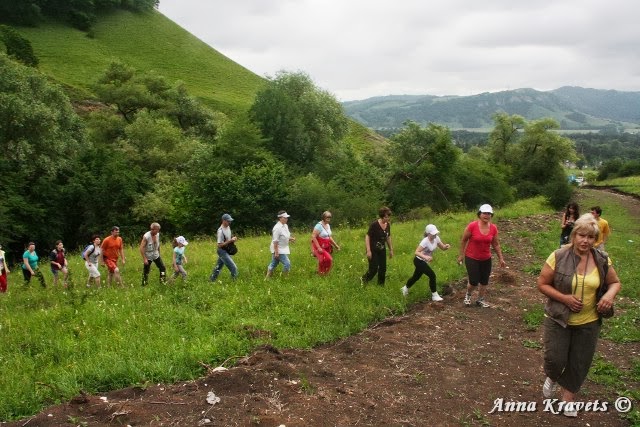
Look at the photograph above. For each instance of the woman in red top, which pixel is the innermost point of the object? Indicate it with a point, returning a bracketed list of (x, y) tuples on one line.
[(475, 248)]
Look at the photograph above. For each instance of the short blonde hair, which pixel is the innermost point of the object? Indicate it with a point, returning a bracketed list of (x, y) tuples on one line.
[(586, 224)]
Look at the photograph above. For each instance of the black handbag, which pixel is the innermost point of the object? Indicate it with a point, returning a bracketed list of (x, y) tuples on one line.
[(231, 248)]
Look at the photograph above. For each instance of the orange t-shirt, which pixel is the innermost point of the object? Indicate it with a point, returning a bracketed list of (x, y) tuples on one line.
[(111, 247)]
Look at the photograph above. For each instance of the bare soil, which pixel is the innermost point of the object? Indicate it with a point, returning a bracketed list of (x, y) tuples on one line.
[(441, 364)]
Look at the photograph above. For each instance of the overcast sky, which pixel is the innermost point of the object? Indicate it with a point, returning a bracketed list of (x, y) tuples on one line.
[(357, 49)]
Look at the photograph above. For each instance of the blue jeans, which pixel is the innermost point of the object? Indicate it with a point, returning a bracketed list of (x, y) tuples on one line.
[(224, 259), (282, 258)]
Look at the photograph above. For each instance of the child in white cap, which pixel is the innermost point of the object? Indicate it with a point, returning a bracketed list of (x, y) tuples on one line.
[(179, 258), (424, 255)]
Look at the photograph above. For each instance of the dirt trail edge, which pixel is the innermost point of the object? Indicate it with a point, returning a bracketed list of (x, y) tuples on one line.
[(439, 365)]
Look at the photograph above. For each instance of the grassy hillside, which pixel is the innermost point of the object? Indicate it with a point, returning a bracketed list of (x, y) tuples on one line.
[(147, 42)]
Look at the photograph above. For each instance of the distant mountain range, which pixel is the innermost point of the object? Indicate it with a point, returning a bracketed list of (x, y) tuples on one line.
[(575, 108)]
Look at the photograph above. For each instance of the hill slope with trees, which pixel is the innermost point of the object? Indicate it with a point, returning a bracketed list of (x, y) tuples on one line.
[(574, 108)]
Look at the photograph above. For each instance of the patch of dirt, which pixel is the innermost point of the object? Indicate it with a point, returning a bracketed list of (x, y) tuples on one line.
[(441, 364)]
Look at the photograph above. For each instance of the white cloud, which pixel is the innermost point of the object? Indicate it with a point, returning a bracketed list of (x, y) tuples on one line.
[(356, 48)]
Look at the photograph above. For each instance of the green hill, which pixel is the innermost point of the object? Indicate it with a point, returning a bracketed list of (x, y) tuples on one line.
[(146, 41), (574, 109)]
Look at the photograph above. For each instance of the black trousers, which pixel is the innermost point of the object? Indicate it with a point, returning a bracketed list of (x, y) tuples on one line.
[(377, 265), (147, 268), (422, 267)]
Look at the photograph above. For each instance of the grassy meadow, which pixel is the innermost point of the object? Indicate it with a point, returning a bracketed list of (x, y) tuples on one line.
[(628, 184), (55, 342), (148, 42)]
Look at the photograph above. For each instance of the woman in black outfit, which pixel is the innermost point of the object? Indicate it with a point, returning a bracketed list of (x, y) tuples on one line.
[(570, 215), (376, 241)]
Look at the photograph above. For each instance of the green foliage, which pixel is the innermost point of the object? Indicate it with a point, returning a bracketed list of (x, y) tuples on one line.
[(147, 41), (493, 187), (79, 13), (424, 159), (39, 136), (301, 121), (18, 47)]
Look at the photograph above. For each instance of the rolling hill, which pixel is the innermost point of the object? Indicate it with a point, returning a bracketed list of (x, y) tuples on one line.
[(145, 41), (575, 108)]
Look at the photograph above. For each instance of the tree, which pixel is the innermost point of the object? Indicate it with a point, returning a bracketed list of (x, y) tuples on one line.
[(504, 135), (301, 121), (40, 136), (18, 47), (538, 165), (423, 162), (129, 92)]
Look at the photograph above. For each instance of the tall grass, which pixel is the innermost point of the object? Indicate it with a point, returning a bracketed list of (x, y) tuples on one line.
[(56, 342)]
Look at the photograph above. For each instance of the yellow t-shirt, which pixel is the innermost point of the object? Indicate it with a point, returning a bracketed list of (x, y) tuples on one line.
[(589, 284)]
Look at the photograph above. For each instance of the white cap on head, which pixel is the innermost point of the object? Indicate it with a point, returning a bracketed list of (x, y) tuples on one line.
[(181, 240), (431, 229), (486, 209), (283, 215)]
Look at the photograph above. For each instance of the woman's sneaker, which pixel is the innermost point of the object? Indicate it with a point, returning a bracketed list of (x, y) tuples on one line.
[(482, 304), (548, 388), (570, 410), (467, 300), (405, 291), (435, 297)]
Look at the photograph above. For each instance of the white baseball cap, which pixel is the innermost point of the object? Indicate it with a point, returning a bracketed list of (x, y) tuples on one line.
[(283, 215), (431, 229), (181, 240), (486, 209)]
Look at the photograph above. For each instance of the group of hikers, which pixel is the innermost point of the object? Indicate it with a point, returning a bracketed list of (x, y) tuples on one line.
[(578, 279)]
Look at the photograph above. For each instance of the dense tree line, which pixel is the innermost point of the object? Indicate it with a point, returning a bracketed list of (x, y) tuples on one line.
[(79, 13), (154, 153)]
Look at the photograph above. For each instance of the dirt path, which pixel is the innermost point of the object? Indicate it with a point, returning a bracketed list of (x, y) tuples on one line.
[(440, 365)]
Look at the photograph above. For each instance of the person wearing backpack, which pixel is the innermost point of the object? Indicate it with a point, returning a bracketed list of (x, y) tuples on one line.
[(91, 255), (59, 263), (150, 251)]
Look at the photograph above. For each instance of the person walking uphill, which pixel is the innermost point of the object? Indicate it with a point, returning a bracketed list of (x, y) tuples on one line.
[(226, 240), (179, 258), (376, 241), (603, 226), (475, 249), (424, 255), (570, 215), (58, 263), (280, 239), (4, 270), (580, 285), (30, 265), (150, 251), (322, 243), (112, 249)]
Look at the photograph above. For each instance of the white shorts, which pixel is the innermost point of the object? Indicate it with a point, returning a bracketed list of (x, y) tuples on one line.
[(93, 269)]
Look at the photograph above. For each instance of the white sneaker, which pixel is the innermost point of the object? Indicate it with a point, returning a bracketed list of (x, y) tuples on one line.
[(548, 388), (405, 291), (467, 300), (570, 410), (435, 297)]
